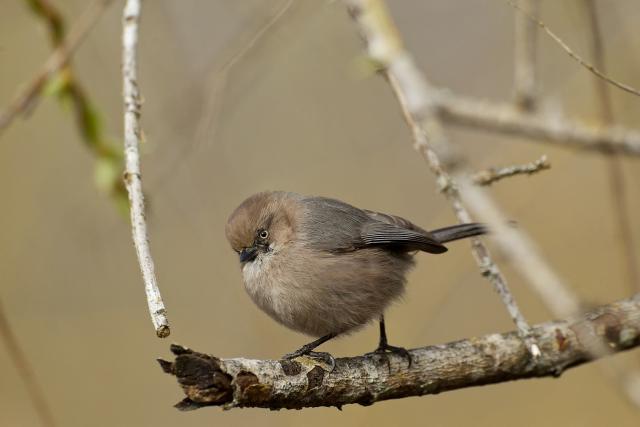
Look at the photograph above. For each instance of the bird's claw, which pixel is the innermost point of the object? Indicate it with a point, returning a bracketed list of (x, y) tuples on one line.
[(327, 359), (385, 349)]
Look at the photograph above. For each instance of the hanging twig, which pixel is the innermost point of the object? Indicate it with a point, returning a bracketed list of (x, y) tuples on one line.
[(110, 162), (132, 175)]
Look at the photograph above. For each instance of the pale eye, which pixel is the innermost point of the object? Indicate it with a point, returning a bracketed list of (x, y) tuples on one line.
[(263, 234)]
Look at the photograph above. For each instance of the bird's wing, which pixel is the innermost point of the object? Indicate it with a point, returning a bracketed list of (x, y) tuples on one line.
[(336, 226), (378, 233)]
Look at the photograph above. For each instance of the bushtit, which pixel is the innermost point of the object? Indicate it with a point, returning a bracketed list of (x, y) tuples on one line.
[(325, 268)]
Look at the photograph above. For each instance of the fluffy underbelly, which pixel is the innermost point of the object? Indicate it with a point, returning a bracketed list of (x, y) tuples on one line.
[(316, 308)]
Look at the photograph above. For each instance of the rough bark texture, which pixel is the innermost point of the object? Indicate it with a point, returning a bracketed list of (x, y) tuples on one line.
[(494, 358)]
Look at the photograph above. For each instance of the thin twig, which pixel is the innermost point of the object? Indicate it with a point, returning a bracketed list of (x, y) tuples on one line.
[(410, 88), (215, 89), (598, 72), (525, 82), (615, 166), (276, 384), (25, 371), (132, 176), (491, 175), (219, 77), (25, 99)]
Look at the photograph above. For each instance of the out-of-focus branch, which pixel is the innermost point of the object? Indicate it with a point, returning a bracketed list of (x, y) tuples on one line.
[(411, 89), (25, 371), (132, 175), (596, 71), (25, 99), (110, 162), (616, 173), (294, 384), (525, 82), (491, 175), (542, 127), (561, 300)]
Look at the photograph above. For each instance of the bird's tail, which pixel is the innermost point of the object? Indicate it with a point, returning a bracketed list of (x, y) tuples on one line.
[(460, 231)]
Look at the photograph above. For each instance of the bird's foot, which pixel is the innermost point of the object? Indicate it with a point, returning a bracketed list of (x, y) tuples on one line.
[(325, 358), (384, 350)]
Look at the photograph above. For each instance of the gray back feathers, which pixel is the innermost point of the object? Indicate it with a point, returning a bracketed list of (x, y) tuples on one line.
[(335, 226)]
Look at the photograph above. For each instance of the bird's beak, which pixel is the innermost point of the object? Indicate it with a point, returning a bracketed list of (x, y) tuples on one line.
[(248, 254)]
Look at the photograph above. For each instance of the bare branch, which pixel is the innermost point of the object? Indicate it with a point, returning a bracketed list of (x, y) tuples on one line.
[(411, 88), (132, 176), (25, 371), (552, 128), (525, 85), (24, 101), (574, 55), (294, 384), (491, 175), (616, 176)]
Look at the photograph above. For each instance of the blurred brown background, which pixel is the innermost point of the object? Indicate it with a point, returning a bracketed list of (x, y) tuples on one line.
[(297, 113)]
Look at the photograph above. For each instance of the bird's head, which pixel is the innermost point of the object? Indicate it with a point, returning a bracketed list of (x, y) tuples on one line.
[(262, 224)]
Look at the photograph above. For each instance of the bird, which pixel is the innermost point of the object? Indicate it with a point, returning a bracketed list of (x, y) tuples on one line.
[(325, 268)]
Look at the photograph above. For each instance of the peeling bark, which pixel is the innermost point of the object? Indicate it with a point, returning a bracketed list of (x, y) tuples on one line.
[(304, 382)]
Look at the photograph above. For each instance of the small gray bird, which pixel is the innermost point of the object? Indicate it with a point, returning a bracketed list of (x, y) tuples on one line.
[(325, 268)]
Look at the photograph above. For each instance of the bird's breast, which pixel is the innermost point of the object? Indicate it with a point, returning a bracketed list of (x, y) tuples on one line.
[(262, 285)]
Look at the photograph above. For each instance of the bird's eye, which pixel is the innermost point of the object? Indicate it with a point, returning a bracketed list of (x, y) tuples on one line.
[(263, 234)]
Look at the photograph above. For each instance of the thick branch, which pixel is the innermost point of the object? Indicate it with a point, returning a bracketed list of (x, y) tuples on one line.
[(494, 358)]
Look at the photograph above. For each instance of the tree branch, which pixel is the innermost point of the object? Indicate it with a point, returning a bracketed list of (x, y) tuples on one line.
[(551, 128), (495, 358)]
